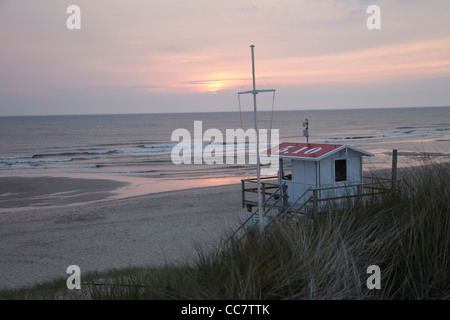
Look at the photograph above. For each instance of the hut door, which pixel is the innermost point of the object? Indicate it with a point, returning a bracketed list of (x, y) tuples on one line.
[(340, 177), (304, 178)]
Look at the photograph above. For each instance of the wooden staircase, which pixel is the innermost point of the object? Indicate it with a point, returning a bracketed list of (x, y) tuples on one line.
[(277, 208)]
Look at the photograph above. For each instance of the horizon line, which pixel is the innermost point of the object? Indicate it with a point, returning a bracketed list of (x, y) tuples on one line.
[(237, 111)]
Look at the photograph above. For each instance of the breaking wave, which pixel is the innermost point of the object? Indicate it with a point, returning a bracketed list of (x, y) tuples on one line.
[(9, 162), (16, 157), (392, 135)]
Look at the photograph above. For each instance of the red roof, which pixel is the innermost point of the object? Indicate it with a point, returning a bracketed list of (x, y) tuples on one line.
[(308, 151)]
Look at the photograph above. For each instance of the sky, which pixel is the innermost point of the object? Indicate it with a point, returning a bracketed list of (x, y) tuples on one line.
[(152, 56)]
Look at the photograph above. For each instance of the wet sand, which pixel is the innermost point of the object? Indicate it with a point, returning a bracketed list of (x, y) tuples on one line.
[(29, 192), (39, 243)]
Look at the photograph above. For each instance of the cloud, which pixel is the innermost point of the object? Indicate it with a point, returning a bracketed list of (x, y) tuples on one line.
[(389, 63), (202, 46)]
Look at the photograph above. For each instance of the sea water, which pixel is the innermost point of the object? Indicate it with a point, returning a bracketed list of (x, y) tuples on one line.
[(140, 145)]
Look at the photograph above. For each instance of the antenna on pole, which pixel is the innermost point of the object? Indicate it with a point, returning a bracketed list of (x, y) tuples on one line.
[(258, 170), (306, 130)]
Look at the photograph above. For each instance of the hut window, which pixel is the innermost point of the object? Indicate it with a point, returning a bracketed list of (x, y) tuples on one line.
[(286, 167), (340, 170)]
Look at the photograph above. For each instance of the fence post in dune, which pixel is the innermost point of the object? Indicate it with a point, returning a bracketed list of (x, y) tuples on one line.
[(394, 170)]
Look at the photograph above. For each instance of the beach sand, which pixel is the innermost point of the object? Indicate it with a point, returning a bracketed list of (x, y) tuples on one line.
[(39, 244)]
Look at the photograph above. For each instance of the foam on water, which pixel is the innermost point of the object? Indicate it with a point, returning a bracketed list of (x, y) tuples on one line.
[(141, 145), (33, 161)]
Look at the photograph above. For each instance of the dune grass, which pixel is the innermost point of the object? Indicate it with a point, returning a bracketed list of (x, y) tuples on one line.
[(406, 234)]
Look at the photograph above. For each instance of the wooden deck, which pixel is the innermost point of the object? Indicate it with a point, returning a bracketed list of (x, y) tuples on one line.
[(270, 190)]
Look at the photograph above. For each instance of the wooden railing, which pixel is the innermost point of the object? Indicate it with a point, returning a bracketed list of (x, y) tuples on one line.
[(280, 190), (268, 188), (287, 210), (377, 186)]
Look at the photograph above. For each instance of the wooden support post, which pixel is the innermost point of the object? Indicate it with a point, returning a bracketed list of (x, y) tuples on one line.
[(394, 170), (263, 185), (285, 196), (249, 213), (243, 192)]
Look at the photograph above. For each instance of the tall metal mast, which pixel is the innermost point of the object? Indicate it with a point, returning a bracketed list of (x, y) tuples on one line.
[(258, 170)]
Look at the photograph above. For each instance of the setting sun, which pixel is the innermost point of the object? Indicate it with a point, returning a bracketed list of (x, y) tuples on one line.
[(219, 81), (215, 85)]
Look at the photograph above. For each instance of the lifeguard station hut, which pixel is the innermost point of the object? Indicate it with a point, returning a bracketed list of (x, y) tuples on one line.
[(334, 169), (311, 177)]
